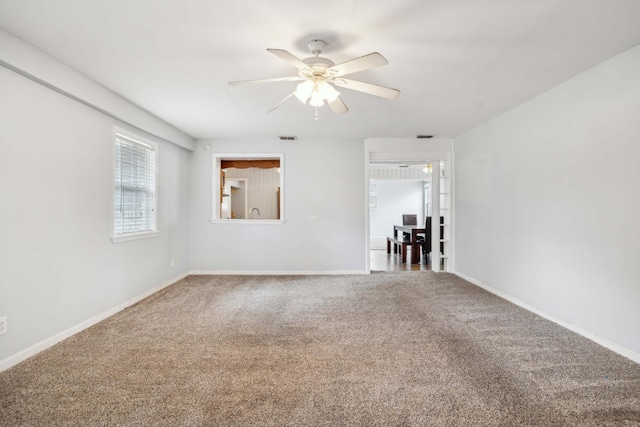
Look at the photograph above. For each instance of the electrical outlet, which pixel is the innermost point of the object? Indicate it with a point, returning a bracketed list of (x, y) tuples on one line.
[(173, 262), (3, 325)]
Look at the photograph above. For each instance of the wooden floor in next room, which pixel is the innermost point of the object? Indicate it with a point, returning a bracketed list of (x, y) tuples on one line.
[(381, 261)]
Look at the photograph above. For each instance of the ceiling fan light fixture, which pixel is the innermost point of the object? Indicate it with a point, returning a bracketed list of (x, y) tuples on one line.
[(316, 93), (327, 91), (316, 99), (304, 91)]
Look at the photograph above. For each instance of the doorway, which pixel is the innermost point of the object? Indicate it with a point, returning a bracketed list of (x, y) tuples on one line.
[(396, 189), (439, 193), (234, 200)]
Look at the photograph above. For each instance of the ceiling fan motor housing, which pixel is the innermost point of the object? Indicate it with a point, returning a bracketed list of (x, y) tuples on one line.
[(317, 64), (316, 46), (317, 68)]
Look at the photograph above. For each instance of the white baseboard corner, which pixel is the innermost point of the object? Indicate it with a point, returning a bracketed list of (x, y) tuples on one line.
[(51, 341), (617, 348)]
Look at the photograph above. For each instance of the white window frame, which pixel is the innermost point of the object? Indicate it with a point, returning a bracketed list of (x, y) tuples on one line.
[(147, 145), (373, 195)]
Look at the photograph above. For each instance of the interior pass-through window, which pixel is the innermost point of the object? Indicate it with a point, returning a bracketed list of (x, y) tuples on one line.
[(248, 187)]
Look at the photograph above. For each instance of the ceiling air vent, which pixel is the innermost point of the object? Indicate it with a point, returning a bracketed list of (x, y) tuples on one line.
[(424, 136), (288, 138)]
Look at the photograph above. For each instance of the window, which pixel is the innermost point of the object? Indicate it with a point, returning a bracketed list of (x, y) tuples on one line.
[(373, 195), (135, 189), (248, 188)]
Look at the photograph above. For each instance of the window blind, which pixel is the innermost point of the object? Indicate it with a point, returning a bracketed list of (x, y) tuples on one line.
[(135, 187)]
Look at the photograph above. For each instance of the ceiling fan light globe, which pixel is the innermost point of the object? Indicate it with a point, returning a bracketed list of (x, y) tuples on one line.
[(304, 90), (316, 100), (328, 92)]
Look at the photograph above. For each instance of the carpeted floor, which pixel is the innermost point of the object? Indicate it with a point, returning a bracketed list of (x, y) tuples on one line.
[(389, 349)]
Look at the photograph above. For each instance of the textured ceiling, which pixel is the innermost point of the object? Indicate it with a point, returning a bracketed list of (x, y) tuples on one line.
[(457, 63)]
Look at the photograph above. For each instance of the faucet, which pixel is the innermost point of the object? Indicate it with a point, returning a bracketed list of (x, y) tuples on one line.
[(255, 209)]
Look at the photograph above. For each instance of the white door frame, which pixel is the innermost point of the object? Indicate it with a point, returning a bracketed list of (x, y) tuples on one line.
[(246, 194), (408, 150)]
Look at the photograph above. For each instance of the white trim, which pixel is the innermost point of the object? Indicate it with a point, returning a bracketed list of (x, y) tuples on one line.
[(436, 256), (245, 214), (248, 221), (367, 211), (452, 212), (617, 348), (276, 273), (133, 236), (51, 341)]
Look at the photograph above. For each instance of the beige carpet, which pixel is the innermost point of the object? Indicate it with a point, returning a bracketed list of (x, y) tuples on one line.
[(390, 349)]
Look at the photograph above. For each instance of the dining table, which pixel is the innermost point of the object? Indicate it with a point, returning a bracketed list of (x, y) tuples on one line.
[(413, 231)]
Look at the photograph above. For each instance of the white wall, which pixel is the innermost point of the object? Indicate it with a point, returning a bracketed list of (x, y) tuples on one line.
[(396, 198), (58, 266), (28, 60), (547, 202), (323, 178)]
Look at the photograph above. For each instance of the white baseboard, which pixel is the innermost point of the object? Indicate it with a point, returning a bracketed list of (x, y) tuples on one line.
[(276, 273), (51, 341), (377, 243), (617, 348)]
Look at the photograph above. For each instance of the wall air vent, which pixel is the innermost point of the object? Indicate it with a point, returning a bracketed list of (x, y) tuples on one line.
[(424, 136), (288, 138)]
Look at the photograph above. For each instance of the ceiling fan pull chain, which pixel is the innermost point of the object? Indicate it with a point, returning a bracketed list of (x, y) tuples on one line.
[(316, 113)]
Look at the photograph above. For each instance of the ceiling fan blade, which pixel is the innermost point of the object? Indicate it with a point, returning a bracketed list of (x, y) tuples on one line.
[(371, 60), (288, 57), (282, 102), (337, 106), (277, 79), (369, 88)]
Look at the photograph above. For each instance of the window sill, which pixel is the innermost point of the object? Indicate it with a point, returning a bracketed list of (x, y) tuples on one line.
[(135, 236), (248, 221)]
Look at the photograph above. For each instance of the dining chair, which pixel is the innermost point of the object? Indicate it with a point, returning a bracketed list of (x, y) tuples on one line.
[(425, 241), (408, 219)]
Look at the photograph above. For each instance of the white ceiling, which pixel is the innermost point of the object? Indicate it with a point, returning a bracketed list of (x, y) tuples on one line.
[(456, 62)]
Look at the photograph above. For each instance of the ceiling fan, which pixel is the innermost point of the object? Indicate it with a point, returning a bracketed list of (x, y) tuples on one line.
[(319, 75)]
